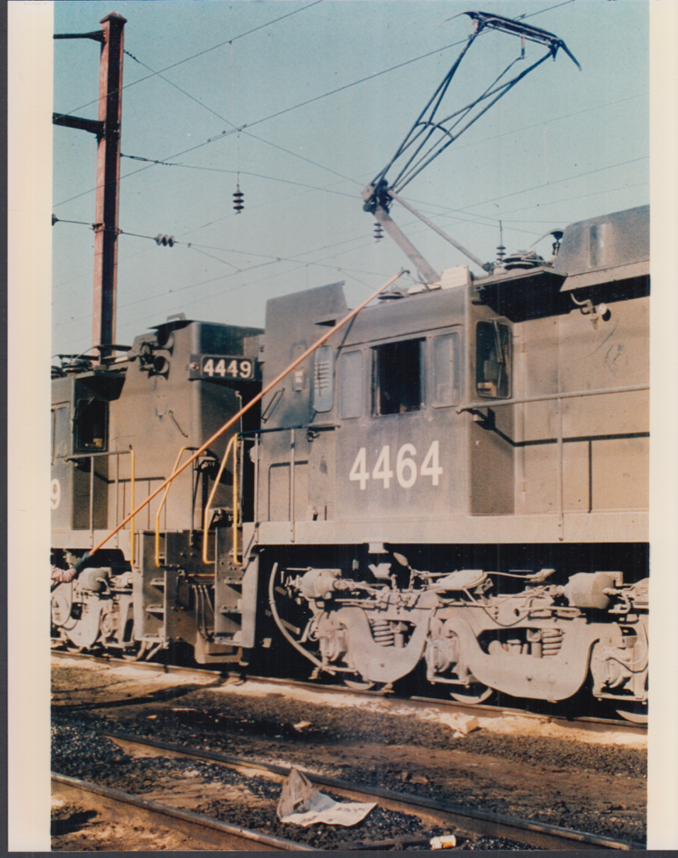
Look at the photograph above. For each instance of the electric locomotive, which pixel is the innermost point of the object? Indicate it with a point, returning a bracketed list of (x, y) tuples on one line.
[(460, 481), (117, 429), (455, 483)]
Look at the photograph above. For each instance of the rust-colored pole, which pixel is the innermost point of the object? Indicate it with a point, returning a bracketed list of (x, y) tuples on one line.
[(108, 179)]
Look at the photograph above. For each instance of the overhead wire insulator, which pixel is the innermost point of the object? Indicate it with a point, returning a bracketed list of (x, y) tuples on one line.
[(165, 240), (501, 249), (238, 200), (378, 231)]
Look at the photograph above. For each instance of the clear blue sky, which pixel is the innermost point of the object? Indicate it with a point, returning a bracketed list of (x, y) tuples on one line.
[(564, 145)]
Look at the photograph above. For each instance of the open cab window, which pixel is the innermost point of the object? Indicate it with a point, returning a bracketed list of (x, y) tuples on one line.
[(397, 386), (91, 425), (493, 360)]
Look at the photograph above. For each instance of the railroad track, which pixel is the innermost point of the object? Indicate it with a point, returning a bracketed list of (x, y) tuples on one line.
[(204, 831), (584, 724), (467, 824)]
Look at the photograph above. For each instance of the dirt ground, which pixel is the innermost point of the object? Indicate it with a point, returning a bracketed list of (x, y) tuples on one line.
[(77, 829), (516, 766)]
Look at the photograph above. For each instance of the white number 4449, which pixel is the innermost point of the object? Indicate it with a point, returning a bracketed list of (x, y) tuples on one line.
[(405, 466)]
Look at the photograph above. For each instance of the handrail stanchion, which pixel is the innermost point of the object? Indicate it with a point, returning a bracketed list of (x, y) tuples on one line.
[(161, 506), (208, 506), (131, 521)]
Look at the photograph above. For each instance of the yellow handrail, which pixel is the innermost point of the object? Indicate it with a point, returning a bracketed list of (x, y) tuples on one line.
[(160, 508), (205, 529), (131, 500)]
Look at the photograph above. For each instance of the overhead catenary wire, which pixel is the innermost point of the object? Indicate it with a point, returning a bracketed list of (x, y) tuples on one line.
[(286, 110), (240, 173), (555, 182), (277, 259), (270, 261), (447, 212), (248, 33), (249, 125), (477, 215), (234, 127), (199, 54), (154, 162), (443, 210)]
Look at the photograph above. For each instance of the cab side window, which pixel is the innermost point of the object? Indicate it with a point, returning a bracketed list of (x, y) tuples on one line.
[(446, 370), (60, 432), (493, 360), (352, 384), (397, 383), (90, 425)]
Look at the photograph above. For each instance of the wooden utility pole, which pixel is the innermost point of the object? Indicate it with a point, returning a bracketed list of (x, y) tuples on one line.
[(107, 130)]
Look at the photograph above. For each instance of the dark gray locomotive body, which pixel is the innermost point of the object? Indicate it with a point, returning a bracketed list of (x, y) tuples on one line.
[(118, 431), (457, 482)]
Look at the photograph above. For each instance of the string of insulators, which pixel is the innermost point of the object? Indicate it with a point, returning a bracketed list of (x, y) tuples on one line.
[(165, 240), (238, 198), (501, 250), (378, 231)]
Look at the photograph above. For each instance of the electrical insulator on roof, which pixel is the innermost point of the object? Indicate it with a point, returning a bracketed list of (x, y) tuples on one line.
[(557, 235), (378, 231), (501, 250), (165, 240), (238, 198)]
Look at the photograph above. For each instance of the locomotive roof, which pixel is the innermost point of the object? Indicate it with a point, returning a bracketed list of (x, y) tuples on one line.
[(602, 251)]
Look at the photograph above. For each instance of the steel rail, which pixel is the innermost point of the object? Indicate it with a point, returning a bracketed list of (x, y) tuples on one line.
[(208, 832), (585, 723), (538, 835)]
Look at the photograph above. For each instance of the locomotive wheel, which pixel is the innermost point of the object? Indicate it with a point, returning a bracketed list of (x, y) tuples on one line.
[(634, 712), (132, 653), (358, 684), (474, 694)]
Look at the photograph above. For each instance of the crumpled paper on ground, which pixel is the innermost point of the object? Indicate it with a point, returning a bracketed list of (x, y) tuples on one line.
[(303, 804), (461, 724)]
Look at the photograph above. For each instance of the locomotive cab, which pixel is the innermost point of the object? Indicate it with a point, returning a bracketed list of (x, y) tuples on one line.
[(80, 440), (171, 575), (460, 477), (371, 423)]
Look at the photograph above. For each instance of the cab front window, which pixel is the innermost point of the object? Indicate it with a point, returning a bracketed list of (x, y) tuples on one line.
[(493, 360)]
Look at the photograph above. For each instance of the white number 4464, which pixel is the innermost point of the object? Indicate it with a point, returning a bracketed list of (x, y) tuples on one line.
[(405, 466)]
